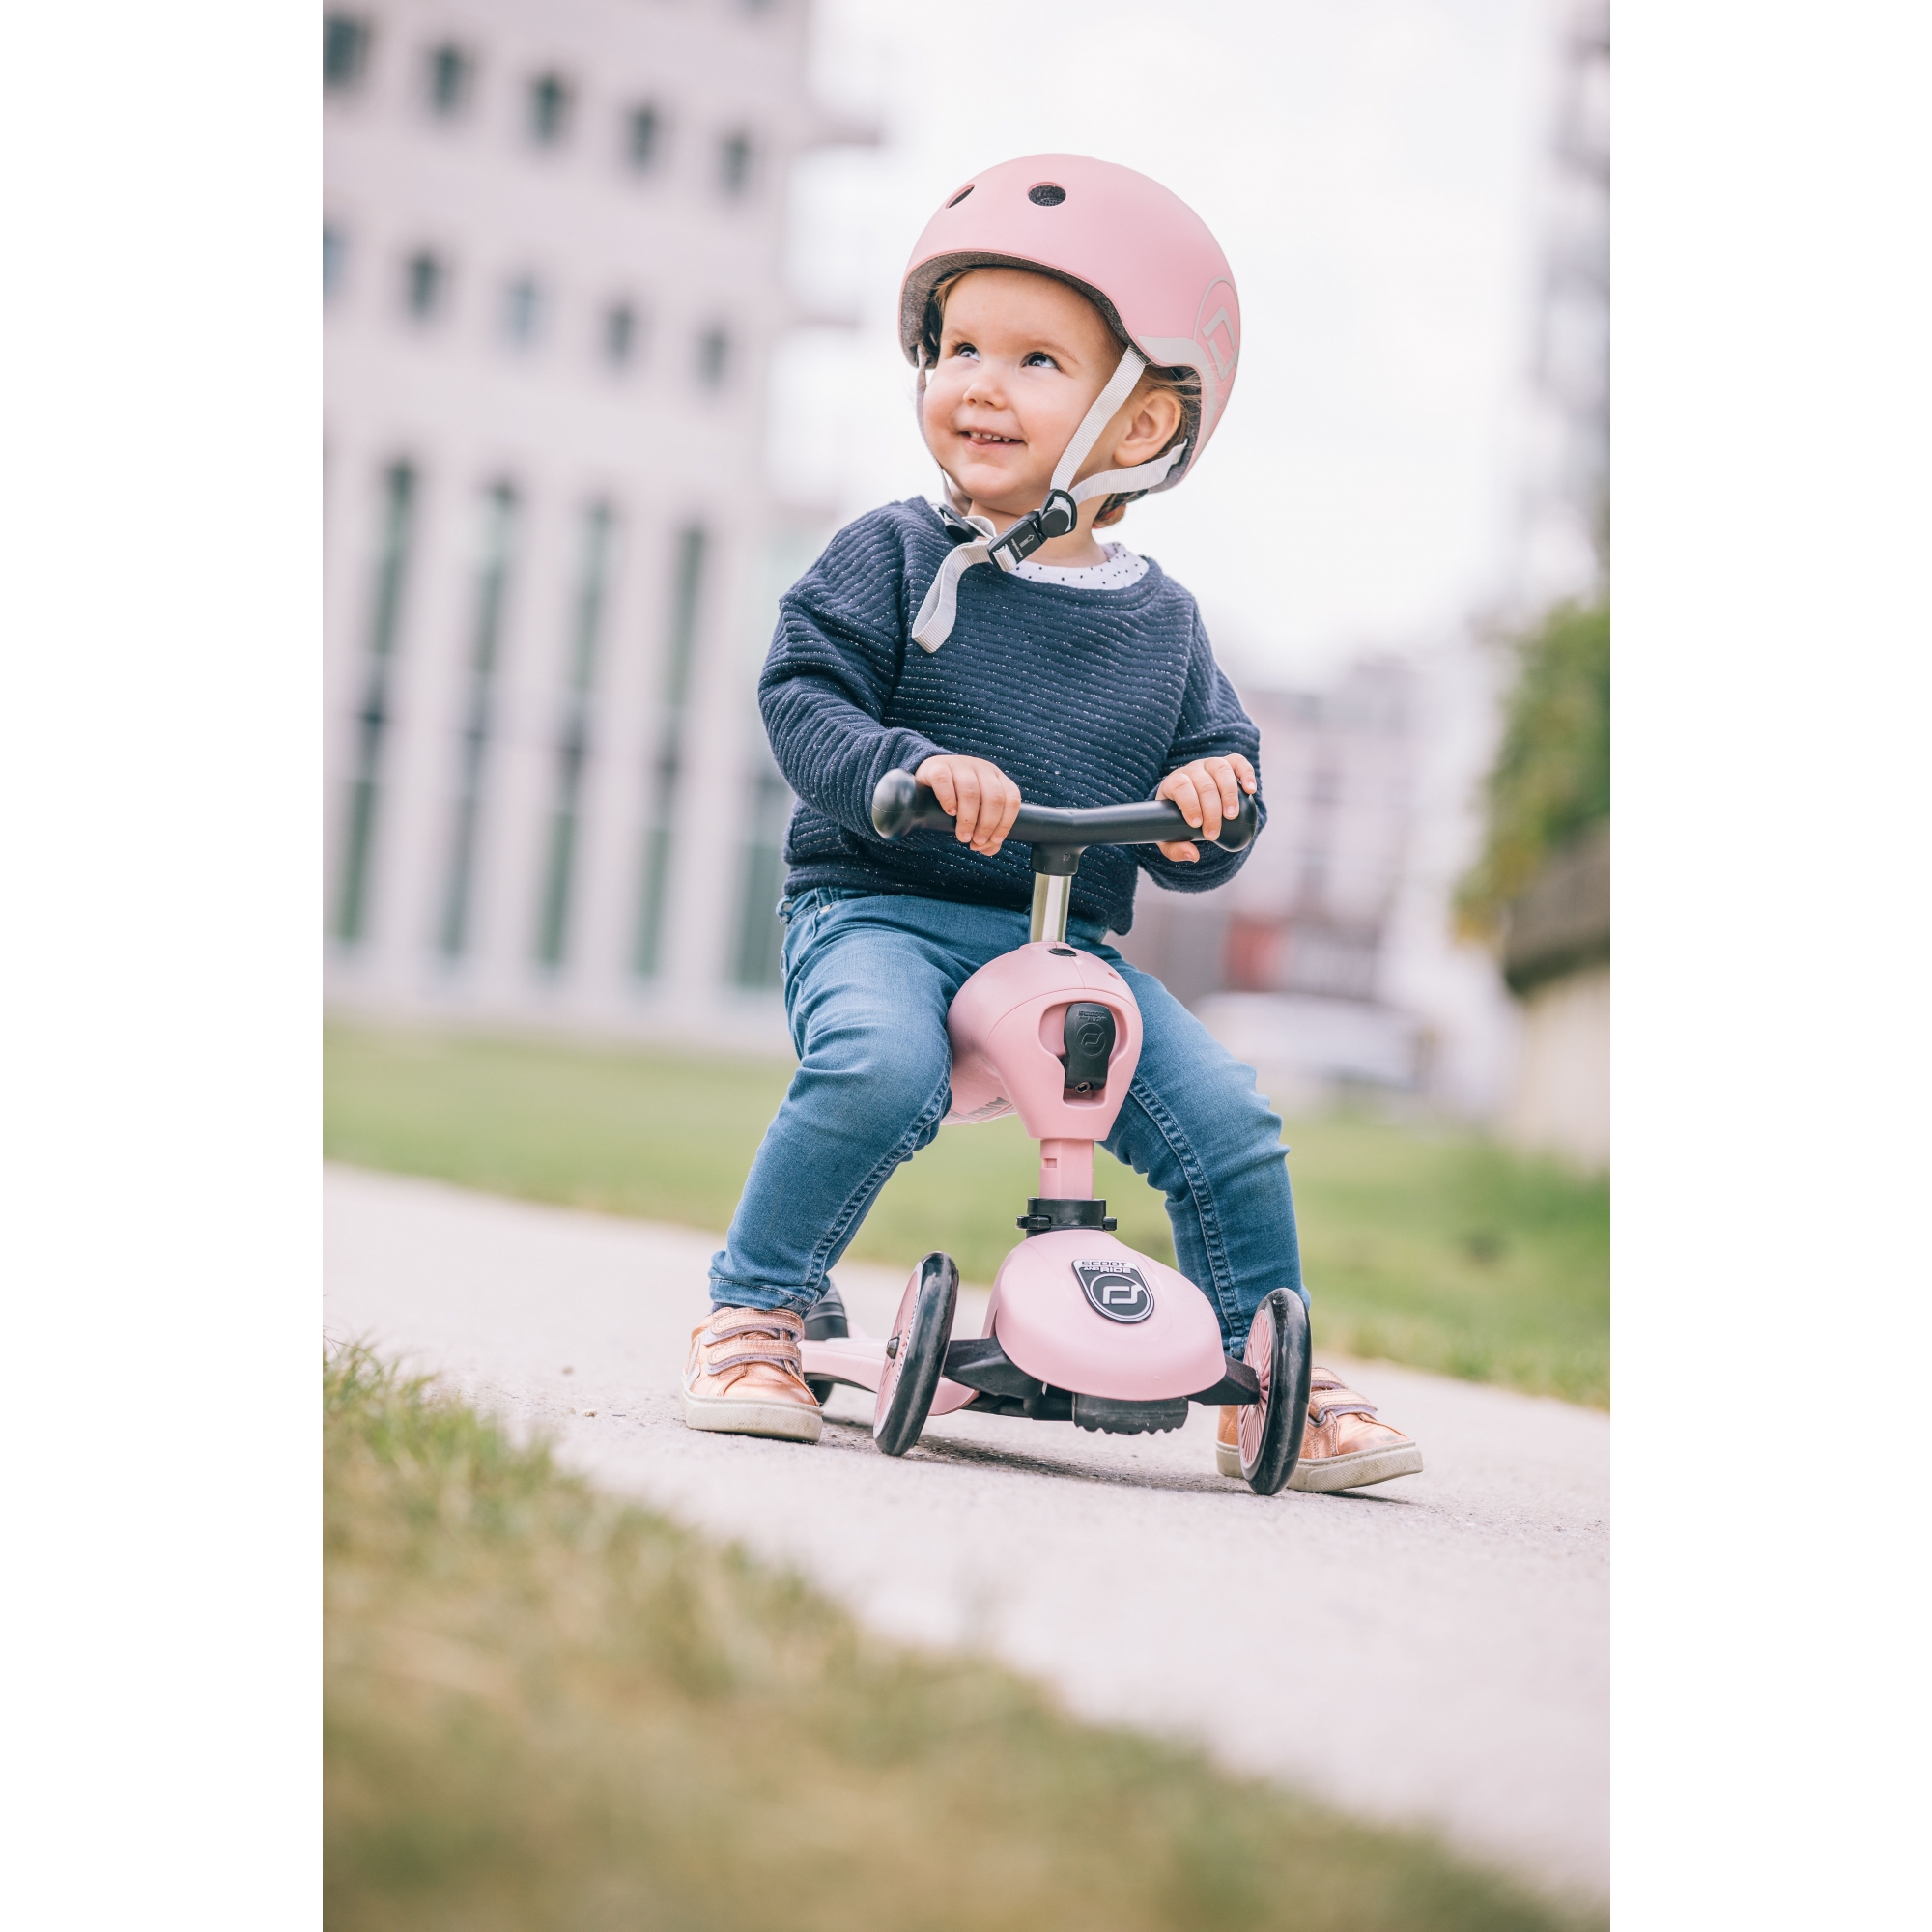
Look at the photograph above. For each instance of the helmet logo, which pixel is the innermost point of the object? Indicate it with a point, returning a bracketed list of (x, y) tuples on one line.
[(1218, 338), (1119, 1292), (1216, 334)]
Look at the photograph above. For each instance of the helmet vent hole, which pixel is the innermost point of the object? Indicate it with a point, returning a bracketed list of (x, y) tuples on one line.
[(962, 194), (1048, 194)]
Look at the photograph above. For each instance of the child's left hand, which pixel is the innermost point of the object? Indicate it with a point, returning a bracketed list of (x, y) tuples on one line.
[(1206, 791)]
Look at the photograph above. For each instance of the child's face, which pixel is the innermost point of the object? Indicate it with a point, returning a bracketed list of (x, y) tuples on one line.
[(1021, 358)]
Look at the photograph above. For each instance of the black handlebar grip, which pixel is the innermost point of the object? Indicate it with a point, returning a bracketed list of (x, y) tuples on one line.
[(900, 804), (1237, 834)]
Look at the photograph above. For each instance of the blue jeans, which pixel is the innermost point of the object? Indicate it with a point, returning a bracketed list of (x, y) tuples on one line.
[(868, 979)]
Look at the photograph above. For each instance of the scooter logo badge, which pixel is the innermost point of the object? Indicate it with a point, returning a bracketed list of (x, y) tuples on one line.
[(1119, 1294)]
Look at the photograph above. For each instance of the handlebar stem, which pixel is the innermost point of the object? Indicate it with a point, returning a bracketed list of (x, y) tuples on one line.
[(1052, 902)]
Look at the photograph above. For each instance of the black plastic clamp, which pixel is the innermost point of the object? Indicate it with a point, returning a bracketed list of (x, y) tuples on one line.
[(1042, 1217), (1057, 517)]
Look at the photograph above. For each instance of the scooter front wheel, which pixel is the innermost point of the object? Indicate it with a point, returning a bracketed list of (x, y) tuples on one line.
[(1270, 1430), (916, 1354)]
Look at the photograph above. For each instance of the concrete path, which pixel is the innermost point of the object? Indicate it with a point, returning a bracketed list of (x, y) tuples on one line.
[(1434, 1651)]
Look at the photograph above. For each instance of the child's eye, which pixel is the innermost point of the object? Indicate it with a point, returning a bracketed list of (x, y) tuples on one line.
[(966, 349), (1039, 360)]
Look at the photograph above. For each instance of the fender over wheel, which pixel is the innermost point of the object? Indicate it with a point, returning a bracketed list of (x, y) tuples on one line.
[(1278, 1352), (916, 1354)]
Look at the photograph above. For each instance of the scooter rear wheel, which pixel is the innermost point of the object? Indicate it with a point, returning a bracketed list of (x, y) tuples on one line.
[(916, 1354), (1271, 1429)]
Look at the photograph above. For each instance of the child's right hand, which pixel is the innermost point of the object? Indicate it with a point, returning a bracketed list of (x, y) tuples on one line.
[(978, 793)]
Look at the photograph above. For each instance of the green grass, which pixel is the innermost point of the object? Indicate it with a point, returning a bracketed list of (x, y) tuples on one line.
[(1435, 1248), (543, 1710)]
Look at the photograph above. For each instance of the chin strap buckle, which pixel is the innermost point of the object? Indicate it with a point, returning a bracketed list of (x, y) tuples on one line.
[(1057, 517)]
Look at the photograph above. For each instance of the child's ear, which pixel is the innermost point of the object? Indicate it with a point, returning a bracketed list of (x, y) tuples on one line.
[(1150, 429)]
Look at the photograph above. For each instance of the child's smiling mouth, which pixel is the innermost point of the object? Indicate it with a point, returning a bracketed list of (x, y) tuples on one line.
[(985, 438)]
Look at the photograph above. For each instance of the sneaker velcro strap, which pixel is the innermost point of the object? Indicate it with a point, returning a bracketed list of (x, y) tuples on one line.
[(718, 1366), (1323, 1414), (780, 1324), (1327, 1398)]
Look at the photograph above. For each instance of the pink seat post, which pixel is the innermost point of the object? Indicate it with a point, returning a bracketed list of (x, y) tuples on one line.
[(1067, 1170)]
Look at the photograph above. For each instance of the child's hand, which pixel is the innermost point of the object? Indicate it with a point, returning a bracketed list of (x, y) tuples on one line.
[(1206, 791), (978, 794)]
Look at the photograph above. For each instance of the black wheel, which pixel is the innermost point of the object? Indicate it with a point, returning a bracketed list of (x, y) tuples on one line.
[(827, 1322), (1270, 1430), (916, 1354)]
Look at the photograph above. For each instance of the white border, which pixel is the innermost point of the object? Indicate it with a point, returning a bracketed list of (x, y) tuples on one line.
[(158, 787), (1772, 432)]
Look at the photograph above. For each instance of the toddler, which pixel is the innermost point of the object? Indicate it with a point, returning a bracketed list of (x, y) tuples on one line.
[(1075, 330)]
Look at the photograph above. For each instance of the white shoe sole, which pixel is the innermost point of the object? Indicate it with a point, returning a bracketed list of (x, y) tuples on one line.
[(1357, 1471), (1338, 1472), (787, 1421)]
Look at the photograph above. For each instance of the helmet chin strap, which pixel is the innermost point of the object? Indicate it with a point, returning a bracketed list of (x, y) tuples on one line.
[(1057, 517)]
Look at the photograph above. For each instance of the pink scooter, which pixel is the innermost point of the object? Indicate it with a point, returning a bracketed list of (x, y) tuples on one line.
[(1081, 1328)]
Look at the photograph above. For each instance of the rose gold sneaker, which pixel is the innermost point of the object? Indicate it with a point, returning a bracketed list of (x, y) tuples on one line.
[(743, 1375), (1344, 1447), (1228, 1444)]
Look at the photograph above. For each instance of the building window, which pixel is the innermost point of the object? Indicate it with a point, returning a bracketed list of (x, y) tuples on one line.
[(734, 163), (372, 719), (345, 51), (450, 72), (523, 310), (334, 253), (643, 139), (573, 751), (493, 590), (660, 821), (425, 285), (619, 341), (714, 358), (760, 936), (550, 109)]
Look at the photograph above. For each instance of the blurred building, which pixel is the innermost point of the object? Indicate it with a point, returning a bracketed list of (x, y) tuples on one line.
[(1557, 955), (1328, 963), (1564, 527), (552, 263), (1557, 950), (1331, 962)]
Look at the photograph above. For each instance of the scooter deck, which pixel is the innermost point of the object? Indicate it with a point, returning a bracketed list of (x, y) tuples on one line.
[(860, 1362)]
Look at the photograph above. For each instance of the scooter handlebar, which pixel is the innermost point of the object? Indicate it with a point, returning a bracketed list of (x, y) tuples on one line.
[(900, 804)]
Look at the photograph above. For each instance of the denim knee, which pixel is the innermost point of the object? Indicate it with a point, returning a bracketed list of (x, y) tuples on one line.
[(897, 1068)]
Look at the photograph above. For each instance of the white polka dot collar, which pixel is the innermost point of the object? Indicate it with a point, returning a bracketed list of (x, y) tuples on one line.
[(1122, 568)]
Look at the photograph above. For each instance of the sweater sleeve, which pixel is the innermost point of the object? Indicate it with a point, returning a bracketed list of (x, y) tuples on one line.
[(1211, 724), (830, 673)]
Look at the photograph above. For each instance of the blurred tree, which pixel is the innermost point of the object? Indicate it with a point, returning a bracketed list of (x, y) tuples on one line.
[(1551, 782)]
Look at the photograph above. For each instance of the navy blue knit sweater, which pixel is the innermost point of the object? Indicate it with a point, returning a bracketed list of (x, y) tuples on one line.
[(1083, 697)]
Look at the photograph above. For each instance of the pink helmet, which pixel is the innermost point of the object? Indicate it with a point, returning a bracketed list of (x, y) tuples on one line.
[(1144, 258)]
